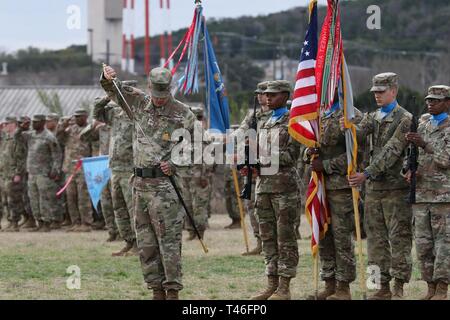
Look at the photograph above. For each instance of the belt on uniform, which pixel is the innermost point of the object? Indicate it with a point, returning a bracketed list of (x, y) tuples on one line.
[(152, 172)]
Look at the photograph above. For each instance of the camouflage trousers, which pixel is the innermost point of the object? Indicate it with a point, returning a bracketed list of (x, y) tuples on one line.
[(388, 224), (122, 201), (4, 198), (78, 201), (276, 214), (230, 195), (336, 249), (159, 226), (42, 193), (251, 211), (195, 197), (432, 237), (15, 192), (107, 209)]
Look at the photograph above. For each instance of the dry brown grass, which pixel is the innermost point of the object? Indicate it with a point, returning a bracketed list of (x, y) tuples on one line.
[(33, 266)]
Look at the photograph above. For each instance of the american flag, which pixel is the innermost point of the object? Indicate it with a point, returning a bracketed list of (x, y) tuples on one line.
[(304, 127)]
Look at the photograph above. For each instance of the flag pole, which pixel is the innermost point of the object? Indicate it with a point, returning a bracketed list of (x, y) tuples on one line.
[(316, 274), (241, 208), (362, 280)]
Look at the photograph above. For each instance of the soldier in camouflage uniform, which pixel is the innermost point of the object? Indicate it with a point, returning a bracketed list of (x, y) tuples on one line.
[(54, 124), (159, 216), (24, 123), (44, 170), (432, 207), (15, 173), (78, 201), (2, 140), (336, 249), (121, 155), (100, 131), (276, 196), (8, 140), (262, 115), (388, 217), (198, 183)]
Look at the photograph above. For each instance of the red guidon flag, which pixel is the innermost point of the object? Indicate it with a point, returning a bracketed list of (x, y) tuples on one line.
[(304, 127)]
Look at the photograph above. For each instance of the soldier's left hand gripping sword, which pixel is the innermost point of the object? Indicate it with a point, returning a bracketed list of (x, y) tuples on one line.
[(132, 117)]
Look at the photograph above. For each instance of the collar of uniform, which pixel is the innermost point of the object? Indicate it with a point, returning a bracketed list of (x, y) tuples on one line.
[(389, 117), (269, 123)]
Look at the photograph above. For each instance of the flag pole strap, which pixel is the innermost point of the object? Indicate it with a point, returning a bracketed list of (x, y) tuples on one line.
[(241, 208)]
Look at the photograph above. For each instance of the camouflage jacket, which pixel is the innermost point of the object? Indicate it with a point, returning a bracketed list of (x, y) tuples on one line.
[(44, 153), (15, 155), (285, 180), (261, 118), (333, 151), (433, 173), (2, 151), (388, 147), (158, 124), (121, 134), (75, 148)]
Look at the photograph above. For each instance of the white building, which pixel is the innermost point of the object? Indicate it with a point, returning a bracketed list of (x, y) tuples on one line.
[(105, 30)]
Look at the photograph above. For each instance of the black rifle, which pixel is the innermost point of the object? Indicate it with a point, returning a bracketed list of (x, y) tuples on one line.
[(413, 163), (247, 190)]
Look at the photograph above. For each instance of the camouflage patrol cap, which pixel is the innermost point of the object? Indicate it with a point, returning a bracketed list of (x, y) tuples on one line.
[(438, 92), (159, 80), (260, 87), (52, 116), (278, 86), (384, 81), (10, 119), (80, 112), (23, 119), (39, 117)]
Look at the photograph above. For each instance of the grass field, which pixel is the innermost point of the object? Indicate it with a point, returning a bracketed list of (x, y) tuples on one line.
[(33, 266)]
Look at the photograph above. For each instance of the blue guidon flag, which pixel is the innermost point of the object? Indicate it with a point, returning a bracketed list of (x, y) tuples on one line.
[(96, 174)]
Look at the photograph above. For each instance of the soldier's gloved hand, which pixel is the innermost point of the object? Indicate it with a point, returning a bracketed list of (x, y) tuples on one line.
[(109, 73), (415, 138), (203, 183), (166, 168), (317, 165)]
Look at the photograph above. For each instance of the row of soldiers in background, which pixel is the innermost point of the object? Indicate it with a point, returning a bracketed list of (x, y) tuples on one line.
[(35, 164)]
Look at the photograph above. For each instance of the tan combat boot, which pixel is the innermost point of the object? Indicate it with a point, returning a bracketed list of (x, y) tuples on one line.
[(383, 294), (441, 291), (172, 294), (191, 235), (55, 225), (256, 251), (431, 291), (73, 227), (83, 228), (330, 289), (46, 227), (14, 227), (283, 292), (134, 251), (272, 285), (30, 223), (38, 228), (235, 224), (128, 246), (342, 292), (397, 291), (159, 294)]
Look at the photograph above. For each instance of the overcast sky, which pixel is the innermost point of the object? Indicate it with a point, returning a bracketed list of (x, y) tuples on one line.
[(42, 23)]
